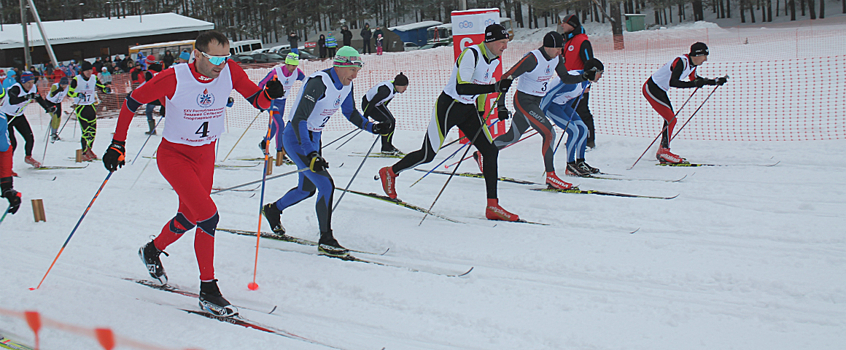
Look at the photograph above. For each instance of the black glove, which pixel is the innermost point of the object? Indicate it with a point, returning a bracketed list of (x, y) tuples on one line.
[(589, 75), (107, 90), (722, 80), (700, 82), (317, 163), (711, 81), (115, 156), (274, 89), (14, 198), (230, 102), (81, 96), (503, 85), (503, 113), (52, 109), (381, 128)]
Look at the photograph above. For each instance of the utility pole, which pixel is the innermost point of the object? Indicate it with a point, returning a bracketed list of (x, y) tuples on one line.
[(462, 5), (27, 60)]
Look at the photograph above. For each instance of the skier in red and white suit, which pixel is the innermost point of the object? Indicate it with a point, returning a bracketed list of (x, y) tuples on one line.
[(195, 97)]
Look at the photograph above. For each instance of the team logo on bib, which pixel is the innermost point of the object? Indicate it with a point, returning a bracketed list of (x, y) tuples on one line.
[(337, 101), (487, 75), (205, 99), (548, 70)]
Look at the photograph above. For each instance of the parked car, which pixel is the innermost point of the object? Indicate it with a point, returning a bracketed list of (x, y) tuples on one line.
[(304, 55), (268, 57), (431, 46), (409, 46), (243, 58)]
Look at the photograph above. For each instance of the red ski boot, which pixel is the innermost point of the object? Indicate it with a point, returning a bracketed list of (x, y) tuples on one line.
[(665, 156), (388, 178), (553, 181), (495, 212)]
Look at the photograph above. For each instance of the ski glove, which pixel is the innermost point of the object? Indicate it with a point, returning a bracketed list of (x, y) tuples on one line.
[(503, 113), (700, 82), (317, 163), (14, 198), (503, 85), (230, 102), (115, 156), (274, 89), (52, 109), (382, 128), (722, 80)]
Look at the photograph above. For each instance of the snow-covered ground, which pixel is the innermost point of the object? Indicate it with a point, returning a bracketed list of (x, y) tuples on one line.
[(748, 256)]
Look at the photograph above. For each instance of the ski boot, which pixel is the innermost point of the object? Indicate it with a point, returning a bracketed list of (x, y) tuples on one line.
[(328, 245), (585, 166), (665, 156), (553, 181), (392, 151), (573, 169), (31, 161), (389, 179), (272, 214), (495, 212), (54, 137), (152, 125), (212, 301), (150, 256), (91, 155)]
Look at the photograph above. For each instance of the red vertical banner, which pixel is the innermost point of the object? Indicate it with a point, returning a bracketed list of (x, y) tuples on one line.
[(468, 28)]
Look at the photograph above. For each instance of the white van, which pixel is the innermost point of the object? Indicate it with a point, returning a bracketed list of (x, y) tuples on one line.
[(244, 46)]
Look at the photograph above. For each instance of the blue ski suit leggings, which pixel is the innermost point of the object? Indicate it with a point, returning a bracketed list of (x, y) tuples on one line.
[(308, 180), (277, 112), (577, 131)]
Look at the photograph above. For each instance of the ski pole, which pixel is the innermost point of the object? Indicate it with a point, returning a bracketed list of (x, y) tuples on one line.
[(253, 285), (242, 135), (145, 142), (439, 164), (349, 139), (484, 123), (663, 129), (74, 230), (356, 173), (259, 180), (142, 169), (468, 157), (46, 141), (345, 135), (63, 125), (5, 213), (694, 112)]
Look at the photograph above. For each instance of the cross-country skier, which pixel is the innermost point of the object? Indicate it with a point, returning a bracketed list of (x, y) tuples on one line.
[(6, 189), (471, 78), (17, 98), (560, 105), (83, 89), (57, 94), (324, 92), (195, 96), (670, 75), (375, 105), (288, 74), (577, 51), (535, 70)]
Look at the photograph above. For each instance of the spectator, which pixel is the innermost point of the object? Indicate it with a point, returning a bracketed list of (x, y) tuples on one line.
[(378, 32), (321, 46), (2, 76), (184, 57), (105, 76), (98, 64), (10, 80), (347, 34), (293, 39), (167, 59), (331, 45), (366, 34)]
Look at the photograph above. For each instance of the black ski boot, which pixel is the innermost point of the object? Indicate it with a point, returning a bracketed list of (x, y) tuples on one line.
[(272, 214), (212, 301), (150, 256), (584, 165), (263, 146), (573, 169), (330, 246)]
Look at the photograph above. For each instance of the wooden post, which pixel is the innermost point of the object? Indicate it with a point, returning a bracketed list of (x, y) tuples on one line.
[(270, 167), (38, 210), (79, 156)]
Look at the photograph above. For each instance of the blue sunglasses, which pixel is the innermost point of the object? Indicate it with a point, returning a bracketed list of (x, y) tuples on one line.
[(216, 60)]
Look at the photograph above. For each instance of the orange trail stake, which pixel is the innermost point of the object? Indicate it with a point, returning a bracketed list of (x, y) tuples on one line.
[(106, 338), (33, 318), (74, 230)]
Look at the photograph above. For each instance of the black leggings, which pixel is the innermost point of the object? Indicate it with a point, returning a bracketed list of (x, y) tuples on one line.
[(449, 113), (382, 114), (22, 126), (87, 116)]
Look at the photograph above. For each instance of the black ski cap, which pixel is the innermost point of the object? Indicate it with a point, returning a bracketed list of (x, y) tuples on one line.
[(553, 39), (698, 49), (401, 80), (573, 21), (86, 66), (495, 32)]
